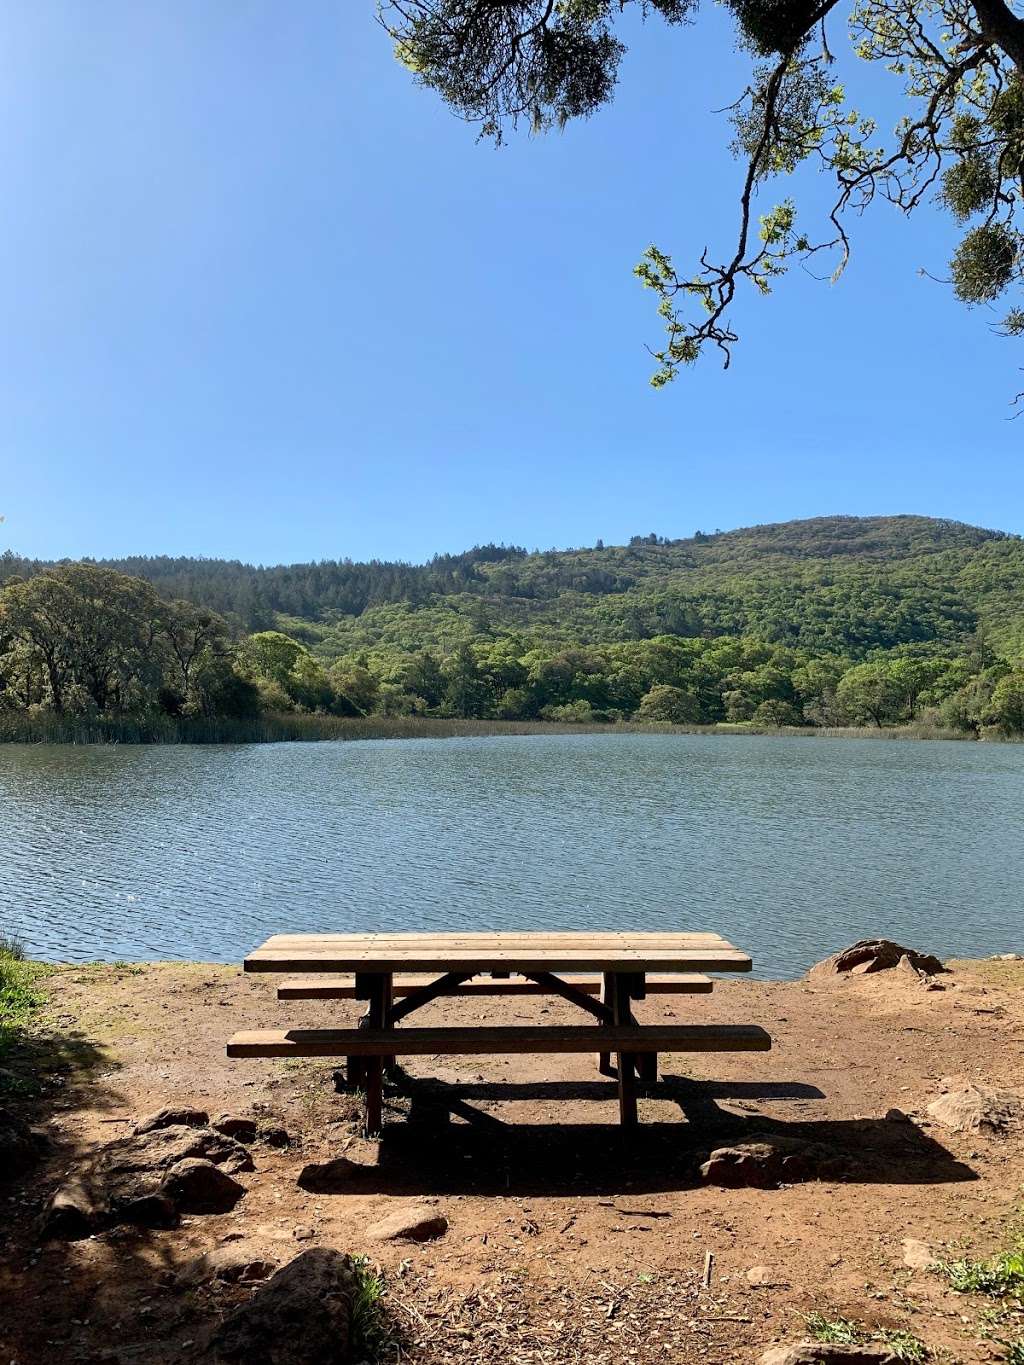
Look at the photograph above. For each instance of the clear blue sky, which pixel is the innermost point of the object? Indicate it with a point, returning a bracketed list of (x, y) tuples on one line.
[(263, 298)]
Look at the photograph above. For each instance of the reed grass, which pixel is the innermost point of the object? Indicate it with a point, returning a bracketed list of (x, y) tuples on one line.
[(19, 727)]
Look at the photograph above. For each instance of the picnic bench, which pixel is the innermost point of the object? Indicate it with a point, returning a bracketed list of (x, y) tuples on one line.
[(397, 974)]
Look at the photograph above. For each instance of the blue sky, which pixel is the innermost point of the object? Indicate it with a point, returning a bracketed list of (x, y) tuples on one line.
[(263, 298)]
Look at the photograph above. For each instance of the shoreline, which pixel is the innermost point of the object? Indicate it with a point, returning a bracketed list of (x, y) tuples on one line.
[(283, 728)]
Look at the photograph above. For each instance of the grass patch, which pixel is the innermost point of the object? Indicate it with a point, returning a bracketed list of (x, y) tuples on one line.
[(997, 1277), (20, 997), (373, 1332), (845, 1332)]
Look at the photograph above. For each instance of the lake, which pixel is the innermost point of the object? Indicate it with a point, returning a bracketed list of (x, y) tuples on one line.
[(790, 847)]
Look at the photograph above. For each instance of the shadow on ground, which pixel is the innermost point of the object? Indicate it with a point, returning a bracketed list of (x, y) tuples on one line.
[(442, 1143)]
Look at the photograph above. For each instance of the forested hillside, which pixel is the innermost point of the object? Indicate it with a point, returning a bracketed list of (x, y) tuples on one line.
[(851, 584), (834, 620)]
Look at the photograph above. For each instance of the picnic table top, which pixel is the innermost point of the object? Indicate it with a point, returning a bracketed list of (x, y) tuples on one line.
[(499, 952)]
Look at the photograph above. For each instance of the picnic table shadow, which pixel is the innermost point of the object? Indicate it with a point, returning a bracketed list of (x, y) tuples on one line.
[(442, 1143)]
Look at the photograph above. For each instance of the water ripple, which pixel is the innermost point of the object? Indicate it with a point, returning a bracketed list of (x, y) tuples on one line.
[(790, 848)]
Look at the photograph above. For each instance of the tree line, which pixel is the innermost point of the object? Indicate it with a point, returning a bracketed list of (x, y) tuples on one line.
[(86, 640)]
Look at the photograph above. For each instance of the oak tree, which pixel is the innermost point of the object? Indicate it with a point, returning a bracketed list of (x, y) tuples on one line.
[(960, 140)]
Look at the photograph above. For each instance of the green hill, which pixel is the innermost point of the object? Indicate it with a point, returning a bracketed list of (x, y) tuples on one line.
[(824, 621)]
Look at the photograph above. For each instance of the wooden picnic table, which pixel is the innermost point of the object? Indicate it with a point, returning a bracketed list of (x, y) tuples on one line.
[(622, 958)]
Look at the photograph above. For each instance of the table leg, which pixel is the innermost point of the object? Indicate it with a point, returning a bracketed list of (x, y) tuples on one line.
[(625, 1060), (604, 1060), (378, 988)]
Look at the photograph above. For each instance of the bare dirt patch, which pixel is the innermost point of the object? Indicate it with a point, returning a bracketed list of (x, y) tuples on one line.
[(565, 1241)]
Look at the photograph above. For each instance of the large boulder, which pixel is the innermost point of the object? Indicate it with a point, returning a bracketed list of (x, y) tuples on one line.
[(301, 1316), (970, 1106), (128, 1182), (876, 955), (765, 1160)]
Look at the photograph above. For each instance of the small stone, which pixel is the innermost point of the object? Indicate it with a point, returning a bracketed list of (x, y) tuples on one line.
[(236, 1126), (828, 1353), (759, 1276), (418, 1223), (197, 1186), (328, 1177), (916, 1254), (165, 1118), (1007, 957), (237, 1263), (897, 1116), (303, 1233)]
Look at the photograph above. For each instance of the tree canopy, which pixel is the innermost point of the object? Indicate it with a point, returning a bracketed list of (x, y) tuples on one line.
[(960, 139)]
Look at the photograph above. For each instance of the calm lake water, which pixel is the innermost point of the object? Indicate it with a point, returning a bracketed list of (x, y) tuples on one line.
[(789, 847)]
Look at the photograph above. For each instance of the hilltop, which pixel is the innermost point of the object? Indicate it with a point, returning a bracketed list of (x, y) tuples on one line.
[(845, 585)]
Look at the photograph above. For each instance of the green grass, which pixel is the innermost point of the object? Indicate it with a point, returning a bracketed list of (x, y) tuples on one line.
[(373, 1332), (999, 1277), (845, 1332), (20, 997)]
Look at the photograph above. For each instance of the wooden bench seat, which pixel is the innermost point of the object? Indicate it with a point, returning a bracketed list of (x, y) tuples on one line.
[(344, 988), (456, 1042)]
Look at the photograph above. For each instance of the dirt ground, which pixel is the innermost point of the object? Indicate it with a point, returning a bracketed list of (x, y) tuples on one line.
[(567, 1242)]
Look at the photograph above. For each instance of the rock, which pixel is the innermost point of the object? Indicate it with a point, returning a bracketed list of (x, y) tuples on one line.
[(828, 1353), (236, 1263), (897, 1116), (180, 1116), (759, 1276), (328, 1177), (418, 1223), (876, 955), (71, 1214), (160, 1148), (126, 1182), (304, 1233), (916, 1254), (20, 1144), (764, 1160), (970, 1106), (197, 1186), (301, 1316), (1006, 957), (273, 1136), (236, 1126)]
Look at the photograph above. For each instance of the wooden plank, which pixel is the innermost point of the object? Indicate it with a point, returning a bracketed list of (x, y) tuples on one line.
[(418, 1042), (686, 983), (460, 960), (535, 941)]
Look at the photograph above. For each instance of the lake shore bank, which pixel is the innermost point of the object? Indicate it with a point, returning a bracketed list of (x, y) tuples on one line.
[(552, 1251), (284, 727)]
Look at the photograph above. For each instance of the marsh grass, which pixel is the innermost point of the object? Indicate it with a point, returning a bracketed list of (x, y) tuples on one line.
[(17, 727)]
